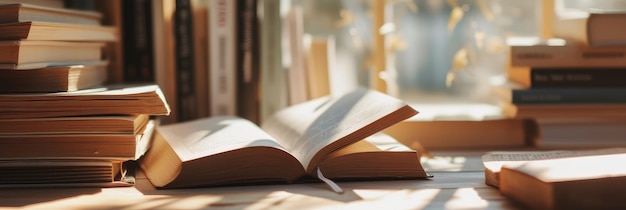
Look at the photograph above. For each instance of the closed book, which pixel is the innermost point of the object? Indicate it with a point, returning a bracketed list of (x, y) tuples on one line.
[(563, 111), (121, 124), (53, 79), (596, 28), (12, 13), (44, 3), (569, 95), (128, 146), (59, 172), (559, 53), (585, 182), (45, 31), (41, 54), (568, 77), (107, 100)]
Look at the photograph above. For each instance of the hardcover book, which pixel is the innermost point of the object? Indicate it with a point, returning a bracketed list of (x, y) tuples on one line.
[(107, 100), (53, 79), (581, 182), (314, 139), (568, 77), (42, 54), (50, 31), (12, 13)]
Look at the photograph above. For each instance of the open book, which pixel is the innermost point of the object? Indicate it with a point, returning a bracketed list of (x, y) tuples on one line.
[(315, 139)]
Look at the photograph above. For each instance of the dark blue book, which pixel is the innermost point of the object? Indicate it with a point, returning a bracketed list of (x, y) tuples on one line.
[(578, 95)]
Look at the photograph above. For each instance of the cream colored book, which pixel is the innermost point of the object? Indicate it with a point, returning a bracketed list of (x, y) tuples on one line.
[(106, 124), (86, 145), (54, 78), (50, 31), (21, 55), (315, 139), (107, 100), (494, 161), (12, 13), (593, 181)]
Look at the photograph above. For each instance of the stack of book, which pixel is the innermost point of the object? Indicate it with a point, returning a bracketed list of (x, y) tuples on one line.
[(59, 124), (572, 84)]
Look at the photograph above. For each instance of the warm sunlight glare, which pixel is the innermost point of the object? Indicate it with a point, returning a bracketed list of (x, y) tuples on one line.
[(444, 163), (466, 198)]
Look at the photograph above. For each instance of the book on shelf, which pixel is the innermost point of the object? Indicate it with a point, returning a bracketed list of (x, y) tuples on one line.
[(50, 31), (273, 74), (567, 76), (297, 82), (163, 41), (516, 94), (248, 61), (110, 146), (594, 181), (223, 75), (102, 124), (41, 54), (106, 100), (54, 78), (559, 53), (59, 172), (494, 161), (591, 28), (22, 12), (320, 138), (317, 61)]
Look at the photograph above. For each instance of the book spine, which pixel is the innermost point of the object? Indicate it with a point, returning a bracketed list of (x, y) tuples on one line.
[(569, 95), (577, 77), (137, 41), (248, 60), (222, 74), (273, 75), (543, 56), (185, 80)]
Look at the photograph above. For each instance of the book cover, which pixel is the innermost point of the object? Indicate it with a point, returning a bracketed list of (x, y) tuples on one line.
[(248, 63), (568, 77), (186, 97), (560, 53), (561, 95), (595, 28), (26, 12)]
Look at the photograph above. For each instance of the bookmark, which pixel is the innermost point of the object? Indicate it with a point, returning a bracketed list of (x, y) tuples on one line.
[(329, 182)]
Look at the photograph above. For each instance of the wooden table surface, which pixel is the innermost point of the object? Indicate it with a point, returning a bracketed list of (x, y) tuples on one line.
[(458, 183)]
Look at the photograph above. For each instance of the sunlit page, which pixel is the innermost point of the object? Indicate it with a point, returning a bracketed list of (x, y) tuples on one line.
[(200, 138), (306, 128)]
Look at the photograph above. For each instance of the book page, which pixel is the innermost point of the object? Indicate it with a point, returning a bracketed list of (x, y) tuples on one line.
[(307, 128), (495, 160), (210, 136)]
